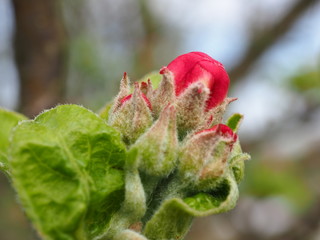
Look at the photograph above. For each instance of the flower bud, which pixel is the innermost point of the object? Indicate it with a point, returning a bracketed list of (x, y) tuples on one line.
[(200, 67), (157, 148), (205, 154), (164, 94), (191, 107), (124, 91), (131, 115)]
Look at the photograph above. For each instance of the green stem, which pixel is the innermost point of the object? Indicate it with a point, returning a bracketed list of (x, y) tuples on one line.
[(169, 222), (157, 194), (164, 220)]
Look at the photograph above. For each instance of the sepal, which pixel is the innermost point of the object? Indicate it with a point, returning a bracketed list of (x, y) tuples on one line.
[(215, 115), (157, 148), (164, 94), (125, 90), (191, 107)]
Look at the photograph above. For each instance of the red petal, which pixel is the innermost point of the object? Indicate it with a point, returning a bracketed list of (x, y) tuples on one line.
[(222, 130), (196, 66)]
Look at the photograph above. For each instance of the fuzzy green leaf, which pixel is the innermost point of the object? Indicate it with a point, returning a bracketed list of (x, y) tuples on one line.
[(8, 121), (205, 201), (236, 162), (173, 219), (67, 170), (234, 121)]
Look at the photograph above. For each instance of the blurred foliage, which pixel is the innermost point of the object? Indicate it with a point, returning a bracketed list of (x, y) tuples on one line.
[(307, 83), (266, 178)]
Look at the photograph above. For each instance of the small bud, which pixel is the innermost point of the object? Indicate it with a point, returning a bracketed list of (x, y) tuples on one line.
[(124, 91), (157, 148), (206, 153), (191, 107), (200, 67), (164, 94), (221, 153), (132, 116)]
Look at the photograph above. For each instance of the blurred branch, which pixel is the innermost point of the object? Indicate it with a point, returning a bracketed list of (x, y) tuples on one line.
[(40, 53), (262, 41)]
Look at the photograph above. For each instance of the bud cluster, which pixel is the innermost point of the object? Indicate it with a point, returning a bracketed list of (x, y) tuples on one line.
[(177, 130), (188, 105)]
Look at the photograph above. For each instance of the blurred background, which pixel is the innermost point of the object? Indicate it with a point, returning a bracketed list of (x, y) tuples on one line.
[(76, 51)]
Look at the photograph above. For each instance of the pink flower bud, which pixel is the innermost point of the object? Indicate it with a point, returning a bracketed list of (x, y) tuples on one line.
[(124, 91), (131, 115), (205, 154), (197, 66), (164, 94), (191, 107)]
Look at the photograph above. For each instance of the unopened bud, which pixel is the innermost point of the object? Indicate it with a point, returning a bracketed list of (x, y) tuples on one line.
[(157, 148), (206, 153), (132, 116), (124, 91), (164, 94), (200, 67), (191, 106)]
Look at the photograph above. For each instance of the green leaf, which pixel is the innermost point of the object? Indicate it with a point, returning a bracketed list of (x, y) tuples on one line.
[(174, 217), (234, 121), (204, 201), (67, 170), (8, 121), (134, 206), (236, 161)]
